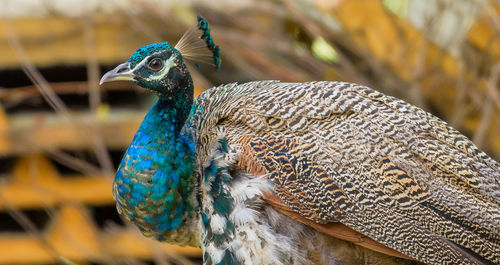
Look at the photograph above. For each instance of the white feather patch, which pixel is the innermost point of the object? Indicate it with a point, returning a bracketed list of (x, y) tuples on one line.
[(242, 215), (243, 255), (249, 189), (215, 253), (218, 224)]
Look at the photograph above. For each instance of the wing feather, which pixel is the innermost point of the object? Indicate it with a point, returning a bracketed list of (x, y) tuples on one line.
[(340, 152)]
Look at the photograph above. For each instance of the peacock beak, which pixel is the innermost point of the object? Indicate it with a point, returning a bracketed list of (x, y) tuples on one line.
[(121, 72)]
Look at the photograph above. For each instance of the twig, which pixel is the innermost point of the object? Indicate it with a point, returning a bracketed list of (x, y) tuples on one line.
[(29, 227), (488, 108), (92, 65), (33, 74), (100, 149), (73, 162), (460, 108), (160, 256), (419, 72), (491, 85), (142, 28), (61, 88)]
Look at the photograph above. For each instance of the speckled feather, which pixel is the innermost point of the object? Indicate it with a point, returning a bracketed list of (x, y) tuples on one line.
[(340, 152), (267, 172)]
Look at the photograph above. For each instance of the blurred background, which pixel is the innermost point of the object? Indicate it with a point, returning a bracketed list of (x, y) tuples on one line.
[(62, 135)]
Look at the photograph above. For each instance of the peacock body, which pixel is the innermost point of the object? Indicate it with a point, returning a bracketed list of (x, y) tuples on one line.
[(302, 173)]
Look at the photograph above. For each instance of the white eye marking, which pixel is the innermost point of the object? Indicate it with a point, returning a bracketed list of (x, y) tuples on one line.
[(168, 65)]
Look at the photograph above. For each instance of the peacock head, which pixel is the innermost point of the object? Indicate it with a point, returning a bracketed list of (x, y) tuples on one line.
[(160, 67)]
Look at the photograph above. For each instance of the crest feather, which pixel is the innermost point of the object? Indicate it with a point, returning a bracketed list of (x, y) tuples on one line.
[(197, 45)]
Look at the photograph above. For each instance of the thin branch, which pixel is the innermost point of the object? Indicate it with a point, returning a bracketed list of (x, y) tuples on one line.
[(61, 88), (93, 74), (459, 111), (28, 226), (72, 162), (488, 108), (33, 74), (92, 65)]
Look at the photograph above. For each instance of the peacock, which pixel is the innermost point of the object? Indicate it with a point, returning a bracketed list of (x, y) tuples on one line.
[(323, 172)]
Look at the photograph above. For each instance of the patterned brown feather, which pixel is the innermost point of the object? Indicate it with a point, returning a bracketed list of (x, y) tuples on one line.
[(340, 152), (333, 229)]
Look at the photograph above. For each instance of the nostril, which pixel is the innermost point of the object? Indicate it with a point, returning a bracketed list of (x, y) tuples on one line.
[(121, 70)]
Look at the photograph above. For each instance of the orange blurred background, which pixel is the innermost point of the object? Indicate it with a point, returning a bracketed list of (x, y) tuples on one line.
[(62, 135)]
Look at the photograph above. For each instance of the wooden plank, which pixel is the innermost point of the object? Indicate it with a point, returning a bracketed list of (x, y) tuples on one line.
[(60, 40), (73, 235), (126, 243), (4, 141), (36, 184), (22, 249), (28, 133), (62, 88)]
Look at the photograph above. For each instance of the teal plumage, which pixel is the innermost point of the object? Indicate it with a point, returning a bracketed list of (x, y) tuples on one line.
[(156, 174), (266, 172), (148, 50)]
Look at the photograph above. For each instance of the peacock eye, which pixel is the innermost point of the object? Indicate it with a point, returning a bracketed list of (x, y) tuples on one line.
[(155, 64)]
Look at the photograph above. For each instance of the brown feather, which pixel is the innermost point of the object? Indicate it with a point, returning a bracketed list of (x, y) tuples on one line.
[(336, 230), (250, 165), (342, 153)]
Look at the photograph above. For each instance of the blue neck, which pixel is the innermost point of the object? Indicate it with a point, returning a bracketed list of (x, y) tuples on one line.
[(154, 183)]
